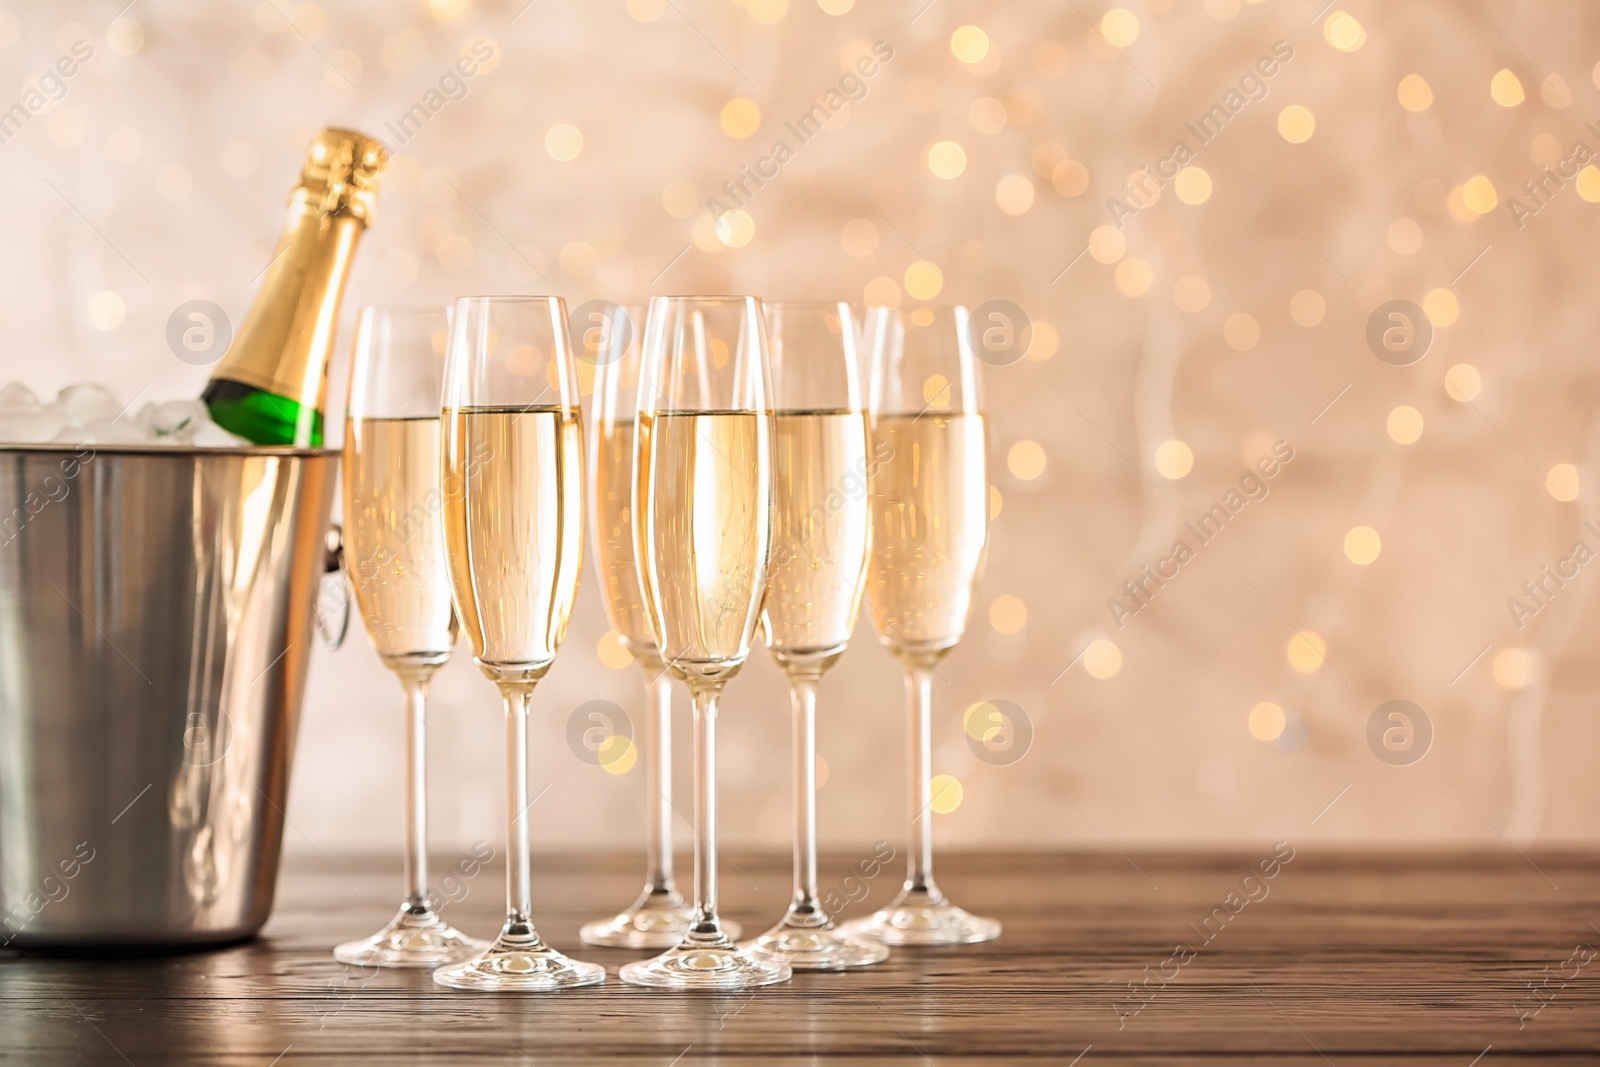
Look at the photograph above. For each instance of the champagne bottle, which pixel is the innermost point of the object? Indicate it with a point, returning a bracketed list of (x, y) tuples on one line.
[(270, 386)]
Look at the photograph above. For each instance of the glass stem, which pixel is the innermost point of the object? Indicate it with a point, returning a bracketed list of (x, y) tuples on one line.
[(806, 909), (919, 702), (658, 784), (706, 926), (519, 865), (415, 682)]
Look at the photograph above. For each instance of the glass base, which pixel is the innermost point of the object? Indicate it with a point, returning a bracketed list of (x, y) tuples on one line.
[(518, 962), (815, 948), (712, 964), (656, 920), (416, 937), (918, 917)]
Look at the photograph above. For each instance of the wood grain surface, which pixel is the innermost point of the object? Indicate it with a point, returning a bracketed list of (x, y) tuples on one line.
[(1342, 958)]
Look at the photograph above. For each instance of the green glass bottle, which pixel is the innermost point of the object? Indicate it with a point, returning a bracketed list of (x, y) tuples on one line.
[(270, 386)]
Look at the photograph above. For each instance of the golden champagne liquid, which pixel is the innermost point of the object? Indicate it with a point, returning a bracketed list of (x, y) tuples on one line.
[(514, 532), (613, 518), (929, 498), (394, 540), (702, 512), (820, 532)]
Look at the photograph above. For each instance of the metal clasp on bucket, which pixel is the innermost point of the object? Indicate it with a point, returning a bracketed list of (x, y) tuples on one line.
[(333, 594)]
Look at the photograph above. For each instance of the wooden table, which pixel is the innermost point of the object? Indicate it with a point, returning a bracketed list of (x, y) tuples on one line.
[(1343, 958)]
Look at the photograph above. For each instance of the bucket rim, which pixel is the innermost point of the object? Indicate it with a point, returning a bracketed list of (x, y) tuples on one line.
[(170, 451)]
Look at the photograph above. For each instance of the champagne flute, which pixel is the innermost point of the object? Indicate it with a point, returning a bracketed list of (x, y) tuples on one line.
[(929, 496), (659, 917), (702, 479), (513, 473), (394, 545), (821, 530)]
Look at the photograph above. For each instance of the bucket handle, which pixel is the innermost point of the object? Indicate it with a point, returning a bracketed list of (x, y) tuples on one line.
[(333, 595)]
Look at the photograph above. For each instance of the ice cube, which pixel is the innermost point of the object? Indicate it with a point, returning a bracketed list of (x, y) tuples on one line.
[(88, 403), (104, 432), (203, 433), (18, 397), (175, 417), (30, 427), (90, 414)]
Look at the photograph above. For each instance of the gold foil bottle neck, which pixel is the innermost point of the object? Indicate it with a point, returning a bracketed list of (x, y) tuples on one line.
[(282, 346), (342, 173)]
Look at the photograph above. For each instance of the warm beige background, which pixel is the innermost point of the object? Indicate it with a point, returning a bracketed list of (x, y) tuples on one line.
[(160, 176)]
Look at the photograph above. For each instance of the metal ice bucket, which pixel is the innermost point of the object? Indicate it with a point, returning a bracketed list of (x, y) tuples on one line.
[(156, 609)]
